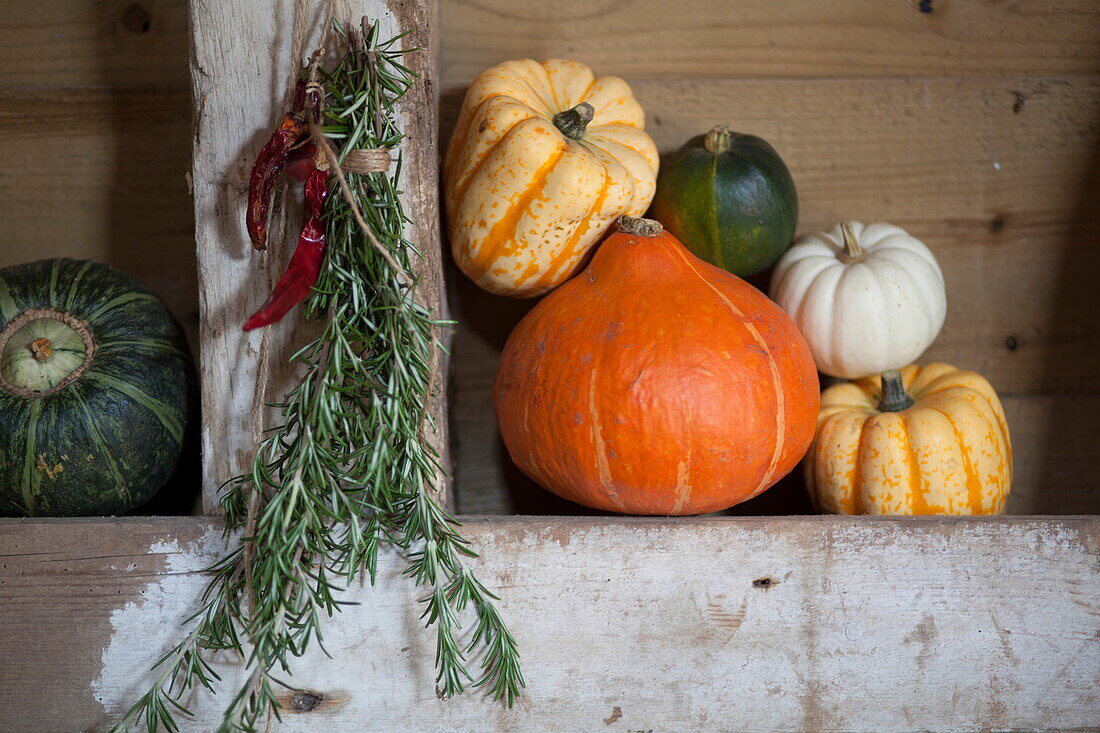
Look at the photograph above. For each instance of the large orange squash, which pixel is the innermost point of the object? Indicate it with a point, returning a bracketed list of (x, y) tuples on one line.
[(929, 440), (654, 383), (543, 159)]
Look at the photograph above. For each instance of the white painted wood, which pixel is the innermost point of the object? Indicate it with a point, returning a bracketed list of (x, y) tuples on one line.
[(241, 66), (624, 625)]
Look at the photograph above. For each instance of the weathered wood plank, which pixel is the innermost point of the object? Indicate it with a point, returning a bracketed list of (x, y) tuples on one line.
[(753, 38), (240, 71), (75, 43), (81, 43), (1004, 198), (100, 173), (719, 624)]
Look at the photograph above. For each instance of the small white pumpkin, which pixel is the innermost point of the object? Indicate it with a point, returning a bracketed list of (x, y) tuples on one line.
[(866, 298)]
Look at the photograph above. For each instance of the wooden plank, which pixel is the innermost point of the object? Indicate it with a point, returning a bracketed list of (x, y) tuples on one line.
[(1004, 198), (75, 43), (102, 175), (240, 71), (120, 42), (702, 624), (647, 39)]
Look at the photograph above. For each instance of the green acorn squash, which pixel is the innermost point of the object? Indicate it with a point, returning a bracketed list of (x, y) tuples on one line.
[(96, 390), (729, 198)]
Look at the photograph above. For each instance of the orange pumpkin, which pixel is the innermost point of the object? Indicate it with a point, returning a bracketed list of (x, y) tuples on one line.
[(929, 440), (655, 383), (544, 158)]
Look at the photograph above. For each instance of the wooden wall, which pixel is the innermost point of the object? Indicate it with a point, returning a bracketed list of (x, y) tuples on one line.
[(973, 125)]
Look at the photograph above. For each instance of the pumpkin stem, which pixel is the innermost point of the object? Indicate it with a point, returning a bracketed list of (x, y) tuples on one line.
[(894, 396), (639, 227), (572, 122), (42, 349), (852, 252), (718, 139)]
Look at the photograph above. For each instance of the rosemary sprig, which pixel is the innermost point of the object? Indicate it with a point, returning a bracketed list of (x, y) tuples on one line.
[(349, 469)]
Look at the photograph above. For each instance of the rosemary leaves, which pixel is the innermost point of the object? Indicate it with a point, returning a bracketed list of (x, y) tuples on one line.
[(348, 471)]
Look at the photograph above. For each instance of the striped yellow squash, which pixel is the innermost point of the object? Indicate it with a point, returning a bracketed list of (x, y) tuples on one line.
[(929, 440), (544, 158)]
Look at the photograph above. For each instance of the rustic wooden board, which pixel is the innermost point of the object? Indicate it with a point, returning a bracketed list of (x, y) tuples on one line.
[(1005, 198), (103, 177), (768, 624), (796, 38), (80, 43), (240, 69)]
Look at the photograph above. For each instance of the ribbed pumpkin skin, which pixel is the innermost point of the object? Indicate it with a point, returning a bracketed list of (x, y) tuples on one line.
[(737, 209), (949, 453), (654, 383), (524, 202), (111, 438)]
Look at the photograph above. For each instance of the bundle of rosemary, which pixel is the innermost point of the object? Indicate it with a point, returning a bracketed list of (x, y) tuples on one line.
[(348, 470)]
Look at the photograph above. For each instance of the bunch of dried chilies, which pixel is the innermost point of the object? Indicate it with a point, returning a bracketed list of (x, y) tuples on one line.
[(349, 468), (292, 147)]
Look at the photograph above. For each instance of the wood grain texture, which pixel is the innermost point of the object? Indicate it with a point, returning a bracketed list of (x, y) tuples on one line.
[(77, 43), (1005, 199), (100, 173), (721, 624), (240, 71), (82, 42), (646, 39)]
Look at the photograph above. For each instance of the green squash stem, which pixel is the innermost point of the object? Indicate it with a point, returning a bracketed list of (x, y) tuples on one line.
[(639, 227), (41, 349), (572, 122), (894, 396), (71, 367), (718, 139)]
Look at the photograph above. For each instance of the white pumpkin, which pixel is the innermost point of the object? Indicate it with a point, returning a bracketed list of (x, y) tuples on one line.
[(866, 298)]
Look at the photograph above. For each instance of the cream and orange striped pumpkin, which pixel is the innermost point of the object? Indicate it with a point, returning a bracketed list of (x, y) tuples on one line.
[(929, 440), (544, 158)]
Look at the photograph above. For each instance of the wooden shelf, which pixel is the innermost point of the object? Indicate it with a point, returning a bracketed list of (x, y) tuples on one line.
[(770, 623)]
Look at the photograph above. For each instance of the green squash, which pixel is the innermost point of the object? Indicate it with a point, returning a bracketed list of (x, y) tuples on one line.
[(729, 198), (96, 390)]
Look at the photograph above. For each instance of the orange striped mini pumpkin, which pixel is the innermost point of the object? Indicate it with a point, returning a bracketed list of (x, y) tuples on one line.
[(544, 158), (929, 440)]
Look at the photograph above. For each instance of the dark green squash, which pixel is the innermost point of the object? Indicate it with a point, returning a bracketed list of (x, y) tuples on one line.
[(729, 198), (96, 390)]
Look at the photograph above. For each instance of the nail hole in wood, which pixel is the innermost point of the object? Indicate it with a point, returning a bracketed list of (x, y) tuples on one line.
[(1011, 343), (997, 224), (305, 701), (766, 582), (137, 19), (925, 6)]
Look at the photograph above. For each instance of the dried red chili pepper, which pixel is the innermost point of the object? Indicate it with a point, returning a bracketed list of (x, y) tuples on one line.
[(270, 161), (302, 161), (289, 142), (305, 265)]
